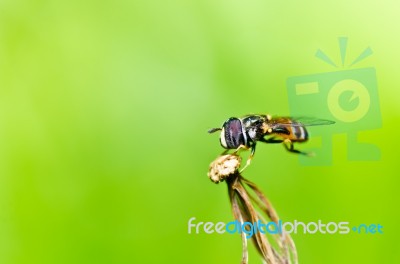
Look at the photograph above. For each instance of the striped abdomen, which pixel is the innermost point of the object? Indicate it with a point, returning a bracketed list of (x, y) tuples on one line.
[(289, 129), (298, 133)]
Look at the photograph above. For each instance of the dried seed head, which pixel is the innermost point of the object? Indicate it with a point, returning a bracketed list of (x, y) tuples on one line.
[(223, 166)]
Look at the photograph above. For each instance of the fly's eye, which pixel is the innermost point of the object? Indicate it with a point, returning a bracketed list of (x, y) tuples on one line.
[(233, 133)]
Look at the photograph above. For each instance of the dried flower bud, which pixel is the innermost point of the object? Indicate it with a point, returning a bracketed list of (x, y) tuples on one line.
[(223, 166)]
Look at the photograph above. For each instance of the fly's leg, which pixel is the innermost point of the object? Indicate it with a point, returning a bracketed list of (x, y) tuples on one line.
[(271, 140), (239, 148), (253, 149), (249, 159), (225, 151), (289, 146), (236, 150)]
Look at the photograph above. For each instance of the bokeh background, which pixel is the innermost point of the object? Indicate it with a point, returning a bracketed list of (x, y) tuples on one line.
[(104, 108)]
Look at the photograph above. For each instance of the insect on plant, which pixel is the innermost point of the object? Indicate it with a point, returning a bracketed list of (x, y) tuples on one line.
[(244, 132), (248, 202)]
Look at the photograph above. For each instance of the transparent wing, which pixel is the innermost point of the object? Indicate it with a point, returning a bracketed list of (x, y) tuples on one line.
[(300, 121)]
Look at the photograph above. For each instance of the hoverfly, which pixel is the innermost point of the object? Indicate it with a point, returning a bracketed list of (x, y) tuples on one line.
[(246, 131)]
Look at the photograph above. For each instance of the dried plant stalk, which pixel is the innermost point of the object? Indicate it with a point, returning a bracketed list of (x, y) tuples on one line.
[(282, 250)]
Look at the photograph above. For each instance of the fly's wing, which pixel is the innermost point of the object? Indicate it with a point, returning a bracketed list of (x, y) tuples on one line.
[(310, 121), (299, 121)]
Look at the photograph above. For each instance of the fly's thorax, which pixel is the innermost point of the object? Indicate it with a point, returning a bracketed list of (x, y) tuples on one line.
[(266, 128), (254, 126), (233, 134)]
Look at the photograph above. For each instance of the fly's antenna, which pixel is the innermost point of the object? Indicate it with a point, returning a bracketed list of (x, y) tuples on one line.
[(212, 130)]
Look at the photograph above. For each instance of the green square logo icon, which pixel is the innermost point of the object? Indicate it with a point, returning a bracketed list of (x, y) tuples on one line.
[(348, 97)]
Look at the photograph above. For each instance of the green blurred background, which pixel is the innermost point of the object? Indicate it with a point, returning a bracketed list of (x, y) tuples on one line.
[(104, 108)]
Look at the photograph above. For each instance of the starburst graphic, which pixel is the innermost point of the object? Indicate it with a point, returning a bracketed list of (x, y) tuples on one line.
[(343, 52)]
